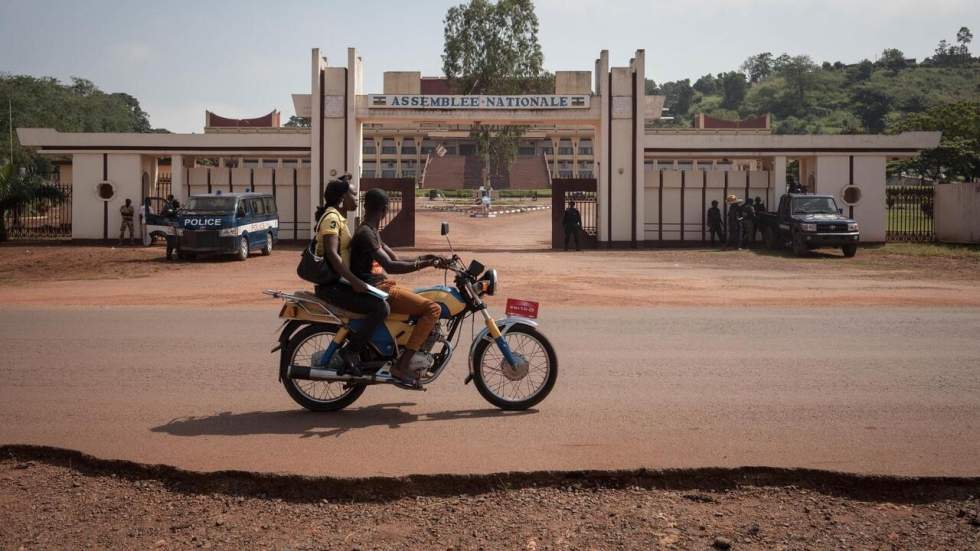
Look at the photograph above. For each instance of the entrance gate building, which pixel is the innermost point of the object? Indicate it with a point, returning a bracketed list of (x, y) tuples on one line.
[(652, 185)]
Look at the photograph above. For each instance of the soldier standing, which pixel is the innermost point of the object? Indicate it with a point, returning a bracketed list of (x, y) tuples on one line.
[(715, 225), (759, 210), (127, 211), (748, 224), (571, 220), (734, 225)]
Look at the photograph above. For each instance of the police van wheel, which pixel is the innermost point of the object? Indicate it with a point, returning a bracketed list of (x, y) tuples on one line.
[(242, 249), (267, 248)]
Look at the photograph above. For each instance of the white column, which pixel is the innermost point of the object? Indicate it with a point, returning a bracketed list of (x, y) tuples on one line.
[(778, 180), (178, 184)]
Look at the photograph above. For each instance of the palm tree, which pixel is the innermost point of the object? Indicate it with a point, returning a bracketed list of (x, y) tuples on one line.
[(18, 189)]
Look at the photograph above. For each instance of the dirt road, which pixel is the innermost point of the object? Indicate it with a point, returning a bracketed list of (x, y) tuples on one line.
[(872, 390)]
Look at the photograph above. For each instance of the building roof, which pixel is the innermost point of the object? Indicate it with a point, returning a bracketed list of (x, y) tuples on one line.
[(696, 144), (270, 120), (48, 140)]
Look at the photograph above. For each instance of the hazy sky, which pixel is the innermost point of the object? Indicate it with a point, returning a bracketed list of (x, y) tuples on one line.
[(243, 58)]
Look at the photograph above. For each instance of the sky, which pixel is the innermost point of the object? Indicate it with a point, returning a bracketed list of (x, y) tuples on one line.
[(243, 58)]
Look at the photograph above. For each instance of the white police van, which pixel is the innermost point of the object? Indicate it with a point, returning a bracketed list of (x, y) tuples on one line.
[(227, 223)]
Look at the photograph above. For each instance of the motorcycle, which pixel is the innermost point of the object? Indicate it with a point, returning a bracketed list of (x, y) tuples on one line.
[(511, 363)]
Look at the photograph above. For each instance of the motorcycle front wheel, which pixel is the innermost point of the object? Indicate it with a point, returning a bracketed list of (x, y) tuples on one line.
[(516, 388), (316, 395)]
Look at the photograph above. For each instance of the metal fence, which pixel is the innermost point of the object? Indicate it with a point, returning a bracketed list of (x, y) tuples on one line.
[(41, 218), (585, 202), (910, 213), (164, 186)]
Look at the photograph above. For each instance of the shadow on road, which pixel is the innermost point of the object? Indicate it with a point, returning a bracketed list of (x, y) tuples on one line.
[(306, 424)]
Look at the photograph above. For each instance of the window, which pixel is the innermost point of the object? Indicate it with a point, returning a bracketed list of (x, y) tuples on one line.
[(428, 146), (408, 146), (370, 169), (388, 147), (387, 169), (585, 169), (408, 169), (565, 147), (450, 149), (467, 149), (250, 163), (370, 146), (547, 149), (257, 206), (585, 147), (231, 163), (270, 205), (526, 149), (564, 169), (685, 165), (270, 163)]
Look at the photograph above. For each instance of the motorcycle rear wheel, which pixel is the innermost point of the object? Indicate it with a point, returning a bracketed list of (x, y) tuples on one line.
[(317, 396), (509, 394)]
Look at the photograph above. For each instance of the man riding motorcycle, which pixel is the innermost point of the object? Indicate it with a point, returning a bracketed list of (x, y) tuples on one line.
[(371, 260)]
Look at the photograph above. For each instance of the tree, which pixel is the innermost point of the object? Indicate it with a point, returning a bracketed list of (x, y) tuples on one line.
[(860, 72), (871, 105), (958, 154), (297, 122), (733, 88), (18, 188), (758, 67), (948, 55), (493, 49), (678, 97), (892, 59), (799, 74), (707, 85)]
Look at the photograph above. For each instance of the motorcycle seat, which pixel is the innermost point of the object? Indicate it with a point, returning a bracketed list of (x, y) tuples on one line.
[(333, 309)]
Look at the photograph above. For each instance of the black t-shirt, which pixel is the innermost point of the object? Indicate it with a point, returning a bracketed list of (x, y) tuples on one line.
[(362, 246)]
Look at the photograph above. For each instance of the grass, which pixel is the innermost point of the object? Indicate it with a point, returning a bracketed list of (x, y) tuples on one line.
[(934, 250)]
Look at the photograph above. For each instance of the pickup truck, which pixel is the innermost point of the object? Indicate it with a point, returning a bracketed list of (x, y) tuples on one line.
[(807, 222)]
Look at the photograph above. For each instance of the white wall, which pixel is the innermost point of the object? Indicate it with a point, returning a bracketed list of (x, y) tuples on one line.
[(833, 175), (125, 172), (957, 212)]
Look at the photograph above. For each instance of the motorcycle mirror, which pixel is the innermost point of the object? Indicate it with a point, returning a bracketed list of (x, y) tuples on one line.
[(445, 229)]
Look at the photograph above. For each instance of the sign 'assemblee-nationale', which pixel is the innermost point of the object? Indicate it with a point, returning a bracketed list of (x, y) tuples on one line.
[(400, 101)]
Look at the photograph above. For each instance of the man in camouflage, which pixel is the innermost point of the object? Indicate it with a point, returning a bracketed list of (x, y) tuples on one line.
[(127, 211)]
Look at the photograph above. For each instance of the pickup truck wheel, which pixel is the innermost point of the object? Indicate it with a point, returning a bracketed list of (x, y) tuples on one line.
[(799, 246), (849, 250), (772, 242)]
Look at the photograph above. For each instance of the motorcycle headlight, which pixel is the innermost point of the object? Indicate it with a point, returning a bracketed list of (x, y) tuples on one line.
[(228, 232), (852, 227), (808, 227), (489, 282)]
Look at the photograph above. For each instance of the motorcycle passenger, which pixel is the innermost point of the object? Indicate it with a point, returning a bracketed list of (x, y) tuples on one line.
[(371, 259), (333, 243)]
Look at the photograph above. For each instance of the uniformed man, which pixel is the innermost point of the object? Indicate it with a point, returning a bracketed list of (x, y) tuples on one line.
[(128, 212), (571, 220), (759, 210), (715, 226), (748, 224), (734, 225)]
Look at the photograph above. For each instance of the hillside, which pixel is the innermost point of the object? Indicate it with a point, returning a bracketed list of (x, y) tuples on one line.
[(804, 97)]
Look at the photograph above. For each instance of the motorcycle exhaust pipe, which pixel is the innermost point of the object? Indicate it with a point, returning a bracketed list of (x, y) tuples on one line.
[(312, 373)]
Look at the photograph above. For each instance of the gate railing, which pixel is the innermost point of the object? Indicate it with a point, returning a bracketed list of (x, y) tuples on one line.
[(41, 218), (583, 191), (910, 213)]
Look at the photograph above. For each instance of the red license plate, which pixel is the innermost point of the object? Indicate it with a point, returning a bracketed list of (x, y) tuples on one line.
[(522, 308)]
